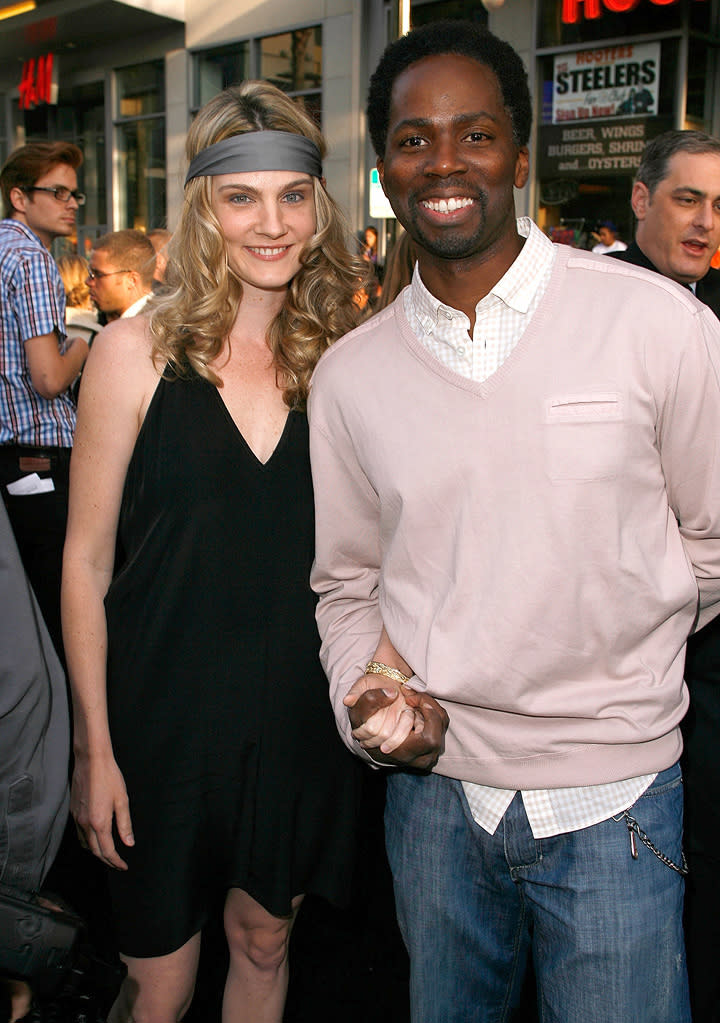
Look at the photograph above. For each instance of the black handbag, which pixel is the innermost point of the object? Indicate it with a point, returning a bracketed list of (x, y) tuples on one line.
[(37, 940)]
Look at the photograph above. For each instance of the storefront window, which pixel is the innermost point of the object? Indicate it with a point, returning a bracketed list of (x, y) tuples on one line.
[(600, 106), (80, 116), (216, 69), (702, 16), (141, 89), (140, 170), (702, 72), (645, 17), (617, 79), (92, 142), (4, 132), (611, 81), (292, 61), (424, 11)]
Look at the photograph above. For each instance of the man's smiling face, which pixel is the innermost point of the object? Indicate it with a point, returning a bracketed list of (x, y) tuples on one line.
[(451, 163)]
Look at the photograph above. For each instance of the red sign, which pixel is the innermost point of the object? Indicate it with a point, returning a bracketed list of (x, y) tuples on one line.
[(594, 8), (36, 85)]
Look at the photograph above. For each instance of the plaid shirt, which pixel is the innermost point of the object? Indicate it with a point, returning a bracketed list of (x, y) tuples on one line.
[(500, 319), (32, 303)]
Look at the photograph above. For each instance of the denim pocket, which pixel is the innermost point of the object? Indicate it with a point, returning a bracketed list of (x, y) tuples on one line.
[(670, 778), (655, 820)]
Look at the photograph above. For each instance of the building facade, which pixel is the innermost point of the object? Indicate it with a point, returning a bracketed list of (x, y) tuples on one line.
[(124, 79), (611, 75)]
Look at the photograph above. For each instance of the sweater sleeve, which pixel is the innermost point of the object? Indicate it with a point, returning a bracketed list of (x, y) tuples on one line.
[(346, 571), (689, 441)]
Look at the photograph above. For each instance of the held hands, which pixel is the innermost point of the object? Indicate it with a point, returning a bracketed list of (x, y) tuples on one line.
[(396, 724), (98, 795)]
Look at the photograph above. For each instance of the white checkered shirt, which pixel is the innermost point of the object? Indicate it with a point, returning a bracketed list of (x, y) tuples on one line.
[(500, 319)]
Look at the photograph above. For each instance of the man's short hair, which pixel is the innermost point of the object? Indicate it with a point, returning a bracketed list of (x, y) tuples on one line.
[(31, 162), (465, 39), (159, 236), (657, 154), (129, 250)]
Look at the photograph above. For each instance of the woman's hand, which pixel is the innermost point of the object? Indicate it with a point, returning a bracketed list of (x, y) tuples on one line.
[(397, 725), (384, 723), (98, 796)]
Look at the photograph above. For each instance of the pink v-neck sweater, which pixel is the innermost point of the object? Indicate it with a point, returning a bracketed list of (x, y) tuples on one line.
[(534, 544)]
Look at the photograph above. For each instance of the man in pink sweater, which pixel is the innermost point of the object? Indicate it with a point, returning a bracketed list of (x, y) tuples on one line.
[(518, 524)]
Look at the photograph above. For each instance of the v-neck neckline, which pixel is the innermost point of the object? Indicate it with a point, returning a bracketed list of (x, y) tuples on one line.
[(242, 438)]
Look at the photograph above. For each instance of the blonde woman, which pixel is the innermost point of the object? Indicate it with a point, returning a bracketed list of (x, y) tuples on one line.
[(80, 313), (206, 753)]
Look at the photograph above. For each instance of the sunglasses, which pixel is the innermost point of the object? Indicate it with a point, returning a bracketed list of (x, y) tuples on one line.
[(97, 275)]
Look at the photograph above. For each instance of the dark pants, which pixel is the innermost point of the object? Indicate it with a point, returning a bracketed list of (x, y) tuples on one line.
[(701, 770), (39, 522)]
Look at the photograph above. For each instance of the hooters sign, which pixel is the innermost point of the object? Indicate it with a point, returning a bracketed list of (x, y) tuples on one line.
[(574, 10), (39, 82)]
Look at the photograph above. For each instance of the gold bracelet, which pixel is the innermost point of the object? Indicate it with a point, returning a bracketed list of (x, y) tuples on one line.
[(378, 668)]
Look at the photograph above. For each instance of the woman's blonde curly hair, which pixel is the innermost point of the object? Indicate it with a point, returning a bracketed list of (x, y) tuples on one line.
[(192, 321)]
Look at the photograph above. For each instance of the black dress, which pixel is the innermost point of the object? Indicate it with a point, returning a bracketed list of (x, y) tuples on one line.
[(219, 711)]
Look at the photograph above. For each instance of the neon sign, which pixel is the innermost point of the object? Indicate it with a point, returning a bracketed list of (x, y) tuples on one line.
[(37, 85), (594, 8)]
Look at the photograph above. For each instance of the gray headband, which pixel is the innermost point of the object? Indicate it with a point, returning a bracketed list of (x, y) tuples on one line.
[(258, 151)]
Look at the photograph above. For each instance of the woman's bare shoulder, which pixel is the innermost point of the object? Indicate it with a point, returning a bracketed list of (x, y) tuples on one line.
[(124, 350), (120, 372), (126, 340)]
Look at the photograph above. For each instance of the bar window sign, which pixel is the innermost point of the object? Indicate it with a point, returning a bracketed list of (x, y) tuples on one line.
[(615, 81), (39, 82)]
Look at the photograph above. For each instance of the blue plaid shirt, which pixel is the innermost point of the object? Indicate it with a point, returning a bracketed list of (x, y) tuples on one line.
[(32, 303)]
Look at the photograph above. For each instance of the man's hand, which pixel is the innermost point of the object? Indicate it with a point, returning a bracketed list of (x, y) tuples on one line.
[(396, 724)]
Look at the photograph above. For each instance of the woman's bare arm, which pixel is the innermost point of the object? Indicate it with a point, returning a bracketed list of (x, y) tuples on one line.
[(118, 381)]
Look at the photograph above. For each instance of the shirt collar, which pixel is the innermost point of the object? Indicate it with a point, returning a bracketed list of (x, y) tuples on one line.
[(11, 223), (136, 307), (516, 288)]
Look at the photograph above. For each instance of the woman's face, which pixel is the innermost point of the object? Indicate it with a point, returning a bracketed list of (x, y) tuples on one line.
[(266, 217)]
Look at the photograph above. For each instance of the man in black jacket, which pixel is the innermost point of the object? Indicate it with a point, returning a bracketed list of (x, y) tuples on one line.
[(676, 200)]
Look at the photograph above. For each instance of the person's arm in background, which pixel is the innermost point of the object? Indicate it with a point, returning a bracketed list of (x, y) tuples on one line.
[(51, 370)]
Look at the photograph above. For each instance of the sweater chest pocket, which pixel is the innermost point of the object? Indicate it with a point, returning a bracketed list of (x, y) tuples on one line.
[(584, 436)]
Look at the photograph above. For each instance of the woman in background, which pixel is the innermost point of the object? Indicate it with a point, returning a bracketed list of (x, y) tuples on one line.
[(399, 269), (370, 245), (80, 314)]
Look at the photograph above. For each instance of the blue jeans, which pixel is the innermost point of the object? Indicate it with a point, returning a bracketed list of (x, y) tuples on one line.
[(604, 929)]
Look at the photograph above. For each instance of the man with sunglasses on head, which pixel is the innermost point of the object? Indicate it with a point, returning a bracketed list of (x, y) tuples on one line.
[(120, 275), (38, 362)]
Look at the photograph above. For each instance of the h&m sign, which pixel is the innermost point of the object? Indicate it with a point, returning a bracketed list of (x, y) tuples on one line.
[(39, 82)]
